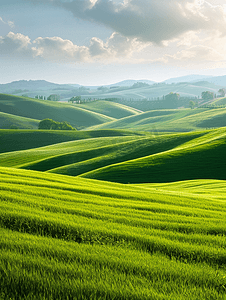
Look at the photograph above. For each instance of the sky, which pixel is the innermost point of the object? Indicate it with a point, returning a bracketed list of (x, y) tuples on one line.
[(97, 42)]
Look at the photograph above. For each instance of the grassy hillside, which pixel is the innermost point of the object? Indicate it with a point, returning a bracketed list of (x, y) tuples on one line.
[(111, 109), (11, 121), (200, 158), (220, 101), (14, 140), (171, 120), (77, 157), (74, 238), (44, 158), (40, 109)]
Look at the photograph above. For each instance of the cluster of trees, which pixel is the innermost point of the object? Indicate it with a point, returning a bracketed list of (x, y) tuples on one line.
[(222, 92), (207, 95), (210, 95), (172, 99), (49, 124), (76, 99), (139, 85), (40, 97), (52, 97)]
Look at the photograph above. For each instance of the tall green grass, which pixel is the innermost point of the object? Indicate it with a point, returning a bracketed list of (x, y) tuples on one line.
[(74, 238)]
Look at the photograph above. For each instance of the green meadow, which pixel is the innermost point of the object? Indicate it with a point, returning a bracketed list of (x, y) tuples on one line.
[(40, 109), (74, 238), (132, 206), (174, 120), (111, 109)]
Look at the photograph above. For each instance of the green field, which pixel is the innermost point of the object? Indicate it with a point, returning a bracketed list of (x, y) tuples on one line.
[(111, 109), (131, 207), (41, 109), (200, 158), (174, 120), (74, 238), (12, 121)]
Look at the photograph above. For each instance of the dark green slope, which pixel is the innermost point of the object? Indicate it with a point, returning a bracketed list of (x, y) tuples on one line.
[(81, 161), (14, 140), (204, 160), (40, 109)]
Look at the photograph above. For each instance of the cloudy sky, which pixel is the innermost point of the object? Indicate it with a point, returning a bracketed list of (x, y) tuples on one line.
[(95, 42)]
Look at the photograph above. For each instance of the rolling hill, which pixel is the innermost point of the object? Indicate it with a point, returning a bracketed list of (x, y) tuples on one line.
[(186, 86), (40, 109), (125, 157), (132, 207), (111, 109), (201, 158), (12, 121), (13, 140), (185, 89), (170, 120)]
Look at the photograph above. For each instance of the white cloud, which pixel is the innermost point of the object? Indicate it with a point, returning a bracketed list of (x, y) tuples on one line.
[(151, 21), (15, 44), (98, 48), (198, 54), (60, 50), (9, 23)]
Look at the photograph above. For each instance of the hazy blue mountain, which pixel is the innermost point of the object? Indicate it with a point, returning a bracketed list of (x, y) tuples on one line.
[(188, 78), (218, 80), (130, 82), (31, 85)]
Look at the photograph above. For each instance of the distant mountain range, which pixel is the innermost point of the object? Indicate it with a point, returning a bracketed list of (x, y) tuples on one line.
[(188, 78), (120, 89), (131, 82)]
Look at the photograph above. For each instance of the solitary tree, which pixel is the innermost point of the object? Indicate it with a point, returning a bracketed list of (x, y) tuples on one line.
[(222, 92), (207, 95), (172, 99), (192, 104)]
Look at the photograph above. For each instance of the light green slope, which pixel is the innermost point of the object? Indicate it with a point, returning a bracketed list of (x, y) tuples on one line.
[(11, 121), (111, 109), (220, 101), (74, 238), (201, 158), (171, 120), (40, 109)]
